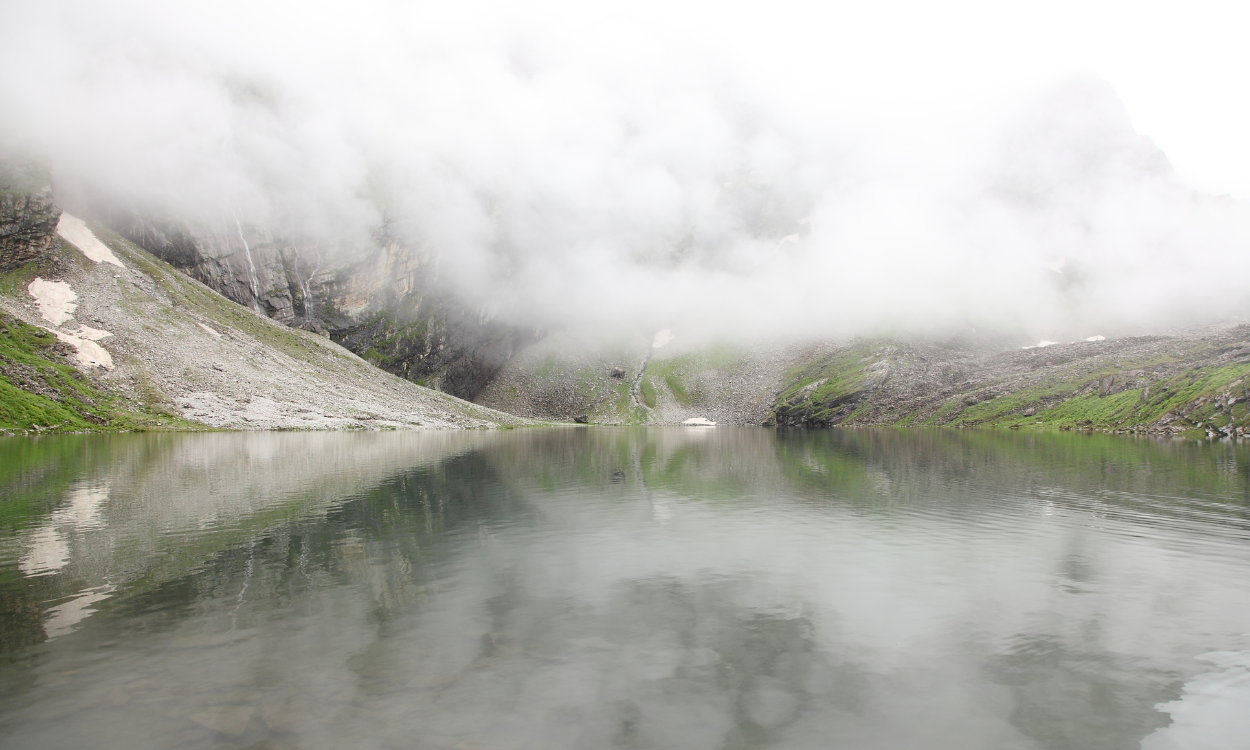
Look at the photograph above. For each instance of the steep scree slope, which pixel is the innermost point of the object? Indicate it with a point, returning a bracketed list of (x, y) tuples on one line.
[(149, 341)]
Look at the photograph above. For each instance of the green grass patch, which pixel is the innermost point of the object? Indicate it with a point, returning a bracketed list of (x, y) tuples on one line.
[(678, 389), (13, 283), (648, 392), (40, 391), (820, 391)]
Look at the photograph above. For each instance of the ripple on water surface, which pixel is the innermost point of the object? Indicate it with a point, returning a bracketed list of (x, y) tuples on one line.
[(735, 588)]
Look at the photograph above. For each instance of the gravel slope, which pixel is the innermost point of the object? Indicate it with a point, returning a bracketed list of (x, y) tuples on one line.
[(176, 346)]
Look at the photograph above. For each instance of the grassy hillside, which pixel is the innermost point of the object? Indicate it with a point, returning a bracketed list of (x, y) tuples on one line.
[(40, 391), (1185, 384)]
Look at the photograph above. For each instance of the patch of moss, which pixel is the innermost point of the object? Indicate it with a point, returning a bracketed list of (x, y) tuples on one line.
[(13, 283), (1077, 402)]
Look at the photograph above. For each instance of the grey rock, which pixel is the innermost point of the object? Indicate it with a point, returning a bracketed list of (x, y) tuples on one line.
[(28, 214)]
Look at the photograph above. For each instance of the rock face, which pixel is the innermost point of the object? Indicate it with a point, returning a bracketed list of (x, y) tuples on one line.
[(245, 264), (28, 215), (379, 301)]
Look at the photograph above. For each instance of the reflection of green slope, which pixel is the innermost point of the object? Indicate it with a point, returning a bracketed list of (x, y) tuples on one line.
[(694, 471), (886, 466), (390, 539), (34, 475), (814, 461), (876, 466), (696, 463), (183, 505), (175, 501)]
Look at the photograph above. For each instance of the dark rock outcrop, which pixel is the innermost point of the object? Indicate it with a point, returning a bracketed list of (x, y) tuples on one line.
[(28, 214), (270, 275), (430, 340)]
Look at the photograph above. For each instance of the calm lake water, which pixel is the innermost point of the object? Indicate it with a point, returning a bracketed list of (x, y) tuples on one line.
[(632, 588)]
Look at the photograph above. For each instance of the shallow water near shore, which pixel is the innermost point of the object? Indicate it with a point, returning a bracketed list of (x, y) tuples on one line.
[(634, 588)]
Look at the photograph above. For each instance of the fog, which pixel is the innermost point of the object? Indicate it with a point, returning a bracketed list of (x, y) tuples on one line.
[(747, 170)]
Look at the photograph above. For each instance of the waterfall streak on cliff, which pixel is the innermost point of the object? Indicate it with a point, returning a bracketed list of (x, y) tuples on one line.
[(253, 282)]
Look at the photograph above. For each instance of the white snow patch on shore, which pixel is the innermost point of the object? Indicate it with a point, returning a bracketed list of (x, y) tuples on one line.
[(57, 302), (90, 354), (91, 334), (74, 231), (662, 338)]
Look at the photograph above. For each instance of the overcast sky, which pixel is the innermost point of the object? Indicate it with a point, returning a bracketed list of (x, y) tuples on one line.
[(1182, 68)]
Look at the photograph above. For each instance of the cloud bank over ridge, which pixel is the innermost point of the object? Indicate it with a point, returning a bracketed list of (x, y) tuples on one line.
[(575, 165)]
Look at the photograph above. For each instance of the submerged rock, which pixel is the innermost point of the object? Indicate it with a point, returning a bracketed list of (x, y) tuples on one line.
[(230, 720)]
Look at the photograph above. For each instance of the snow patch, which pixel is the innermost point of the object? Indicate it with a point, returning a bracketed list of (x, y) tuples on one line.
[(698, 422), (57, 302), (90, 354), (74, 231), (662, 338), (91, 334)]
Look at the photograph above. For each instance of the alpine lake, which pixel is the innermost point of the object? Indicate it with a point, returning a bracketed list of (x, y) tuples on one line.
[(592, 587)]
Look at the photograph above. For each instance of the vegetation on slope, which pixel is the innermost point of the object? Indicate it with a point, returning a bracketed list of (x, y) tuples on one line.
[(1197, 386), (41, 392)]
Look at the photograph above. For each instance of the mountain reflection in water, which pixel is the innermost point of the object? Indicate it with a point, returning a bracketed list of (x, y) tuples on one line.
[(596, 587)]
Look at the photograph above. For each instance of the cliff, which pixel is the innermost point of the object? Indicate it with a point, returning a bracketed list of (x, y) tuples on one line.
[(28, 215), (381, 301)]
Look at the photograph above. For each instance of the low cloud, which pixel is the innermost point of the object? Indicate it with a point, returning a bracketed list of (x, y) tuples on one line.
[(571, 168)]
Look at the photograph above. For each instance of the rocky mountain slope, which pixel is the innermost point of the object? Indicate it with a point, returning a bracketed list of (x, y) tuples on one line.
[(1192, 382), (380, 300), (1184, 382), (95, 333), (1188, 382)]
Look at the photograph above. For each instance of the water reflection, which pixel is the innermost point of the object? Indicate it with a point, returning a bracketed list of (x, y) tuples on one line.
[(634, 588)]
